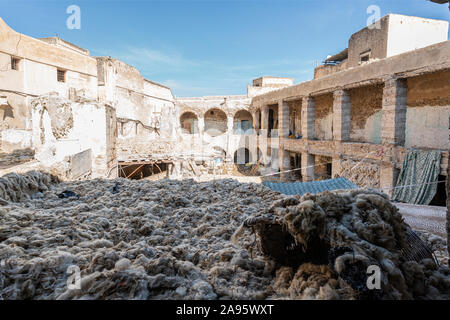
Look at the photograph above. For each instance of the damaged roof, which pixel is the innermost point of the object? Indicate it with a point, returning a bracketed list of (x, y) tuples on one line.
[(338, 56)]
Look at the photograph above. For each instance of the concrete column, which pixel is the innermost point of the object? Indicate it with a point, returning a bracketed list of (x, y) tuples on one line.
[(283, 119), (393, 121), (265, 120), (263, 133), (256, 124), (341, 115), (230, 121), (229, 134), (308, 106), (284, 160), (335, 167), (201, 126), (308, 162), (388, 178)]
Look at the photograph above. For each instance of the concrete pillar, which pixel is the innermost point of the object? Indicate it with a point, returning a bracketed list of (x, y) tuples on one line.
[(229, 135), (265, 120), (283, 119), (263, 134), (256, 124), (335, 167), (341, 115), (308, 106), (201, 126), (284, 160), (230, 121), (308, 162), (263, 144), (388, 178), (393, 121)]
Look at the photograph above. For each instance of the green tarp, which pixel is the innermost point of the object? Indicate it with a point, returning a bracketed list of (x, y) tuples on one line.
[(416, 183)]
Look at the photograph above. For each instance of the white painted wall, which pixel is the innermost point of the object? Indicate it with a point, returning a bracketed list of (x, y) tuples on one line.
[(407, 33)]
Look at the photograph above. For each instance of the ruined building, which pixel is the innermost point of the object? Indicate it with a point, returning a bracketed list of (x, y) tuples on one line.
[(386, 93)]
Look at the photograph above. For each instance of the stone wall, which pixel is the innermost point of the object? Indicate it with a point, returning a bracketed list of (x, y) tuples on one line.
[(323, 118), (428, 111), (365, 114)]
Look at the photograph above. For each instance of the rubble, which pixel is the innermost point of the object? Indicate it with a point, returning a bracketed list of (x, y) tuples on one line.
[(172, 240)]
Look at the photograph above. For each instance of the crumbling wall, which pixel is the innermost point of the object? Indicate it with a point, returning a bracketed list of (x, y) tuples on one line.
[(363, 174), (62, 128), (15, 122), (322, 163), (365, 113), (323, 120), (295, 117), (428, 111)]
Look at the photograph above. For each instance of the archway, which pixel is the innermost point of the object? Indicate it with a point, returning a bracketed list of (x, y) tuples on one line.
[(215, 122), (189, 123), (242, 122), (242, 156)]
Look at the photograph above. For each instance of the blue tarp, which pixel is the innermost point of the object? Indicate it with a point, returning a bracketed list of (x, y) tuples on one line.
[(301, 188)]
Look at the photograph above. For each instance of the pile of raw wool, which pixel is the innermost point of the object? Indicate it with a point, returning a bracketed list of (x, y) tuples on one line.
[(326, 243), (172, 240), (130, 239), (15, 157)]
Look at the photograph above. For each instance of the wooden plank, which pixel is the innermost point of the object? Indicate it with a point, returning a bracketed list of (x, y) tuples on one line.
[(131, 174), (194, 168)]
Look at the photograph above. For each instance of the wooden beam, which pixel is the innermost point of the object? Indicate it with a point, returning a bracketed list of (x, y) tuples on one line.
[(131, 174)]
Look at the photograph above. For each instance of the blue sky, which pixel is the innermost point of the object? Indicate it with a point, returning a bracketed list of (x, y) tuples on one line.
[(210, 47)]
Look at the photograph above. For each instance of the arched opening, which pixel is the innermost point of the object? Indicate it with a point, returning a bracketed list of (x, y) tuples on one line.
[(189, 123), (242, 156), (215, 122), (243, 122)]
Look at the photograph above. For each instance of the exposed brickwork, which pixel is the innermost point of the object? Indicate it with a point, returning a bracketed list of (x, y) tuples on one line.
[(365, 102), (341, 115)]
